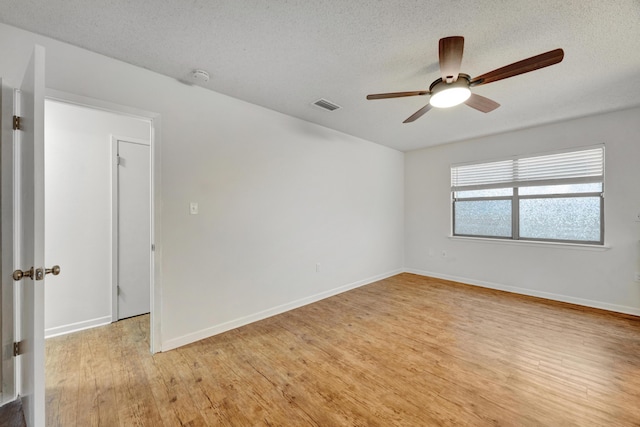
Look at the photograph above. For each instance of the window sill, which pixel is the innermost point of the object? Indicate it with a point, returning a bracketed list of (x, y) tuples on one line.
[(575, 246)]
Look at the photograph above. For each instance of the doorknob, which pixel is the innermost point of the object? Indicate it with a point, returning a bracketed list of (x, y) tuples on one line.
[(19, 274), (40, 272), (37, 274), (55, 270)]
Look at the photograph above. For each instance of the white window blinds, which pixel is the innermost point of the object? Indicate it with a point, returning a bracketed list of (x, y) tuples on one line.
[(580, 166)]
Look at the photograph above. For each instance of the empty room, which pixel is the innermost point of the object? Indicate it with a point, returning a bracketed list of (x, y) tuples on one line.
[(345, 213)]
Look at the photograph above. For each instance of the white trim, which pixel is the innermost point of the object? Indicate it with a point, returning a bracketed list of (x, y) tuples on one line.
[(245, 320), (535, 243), (530, 292), (155, 330), (114, 229), (139, 141), (155, 337), (17, 237), (98, 104), (76, 327)]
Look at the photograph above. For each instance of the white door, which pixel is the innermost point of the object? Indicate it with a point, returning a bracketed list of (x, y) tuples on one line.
[(30, 238), (8, 286), (133, 229)]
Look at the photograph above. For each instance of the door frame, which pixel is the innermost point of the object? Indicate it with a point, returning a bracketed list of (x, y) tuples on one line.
[(154, 142), (9, 204), (115, 219)]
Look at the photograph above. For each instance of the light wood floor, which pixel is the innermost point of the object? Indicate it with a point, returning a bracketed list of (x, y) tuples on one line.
[(406, 351)]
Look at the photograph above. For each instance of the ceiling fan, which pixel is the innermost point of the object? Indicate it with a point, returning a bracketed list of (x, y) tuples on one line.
[(453, 88)]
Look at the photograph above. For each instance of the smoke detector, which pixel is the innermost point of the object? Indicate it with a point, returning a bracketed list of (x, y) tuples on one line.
[(200, 76)]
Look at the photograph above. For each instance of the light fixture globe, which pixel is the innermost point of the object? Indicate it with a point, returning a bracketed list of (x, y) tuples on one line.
[(445, 95)]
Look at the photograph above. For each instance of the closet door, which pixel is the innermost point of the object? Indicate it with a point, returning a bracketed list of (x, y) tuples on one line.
[(134, 229)]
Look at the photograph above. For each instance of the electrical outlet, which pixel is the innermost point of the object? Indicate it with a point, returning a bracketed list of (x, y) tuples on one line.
[(444, 254), (637, 277), (317, 267), (193, 208)]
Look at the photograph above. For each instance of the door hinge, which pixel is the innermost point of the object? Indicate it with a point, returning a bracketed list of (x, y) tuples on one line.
[(18, 348), (153, 247), (17, 123), (118, 289), (118, 161)]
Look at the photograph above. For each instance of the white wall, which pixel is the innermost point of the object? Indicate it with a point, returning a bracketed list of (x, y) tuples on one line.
[(78, 212), (599, 278), (277, 195)]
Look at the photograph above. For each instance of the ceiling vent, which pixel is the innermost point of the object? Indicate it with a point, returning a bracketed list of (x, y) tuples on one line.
[(326, 105)]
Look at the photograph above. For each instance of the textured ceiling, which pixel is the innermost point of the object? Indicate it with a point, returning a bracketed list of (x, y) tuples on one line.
[(285, 54)]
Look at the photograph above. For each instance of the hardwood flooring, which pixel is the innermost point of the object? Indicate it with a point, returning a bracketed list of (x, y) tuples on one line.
[(405, 351)]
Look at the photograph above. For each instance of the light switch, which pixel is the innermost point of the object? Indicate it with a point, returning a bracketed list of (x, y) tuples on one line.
[(193, 208)]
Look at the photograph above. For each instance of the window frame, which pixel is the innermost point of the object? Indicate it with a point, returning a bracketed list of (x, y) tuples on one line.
[(515, 199)]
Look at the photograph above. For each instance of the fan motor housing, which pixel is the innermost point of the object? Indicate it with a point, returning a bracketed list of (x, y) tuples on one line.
[(465, 77)]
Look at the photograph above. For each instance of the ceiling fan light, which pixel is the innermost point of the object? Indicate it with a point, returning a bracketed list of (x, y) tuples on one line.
[(450, 96)]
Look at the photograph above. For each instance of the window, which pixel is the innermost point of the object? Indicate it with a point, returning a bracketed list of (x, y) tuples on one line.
[(555, 197)]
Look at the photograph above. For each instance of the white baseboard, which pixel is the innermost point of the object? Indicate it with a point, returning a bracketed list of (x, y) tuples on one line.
[(75, 327), (530, 292), (232, 324)]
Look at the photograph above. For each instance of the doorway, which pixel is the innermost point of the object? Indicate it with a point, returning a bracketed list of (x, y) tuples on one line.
[(22, 136), (82, 190)]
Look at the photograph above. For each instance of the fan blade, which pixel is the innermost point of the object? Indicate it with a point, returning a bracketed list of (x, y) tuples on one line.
[(530, 64), (450, 51), (415, 116), (397, 94), (481, 103)]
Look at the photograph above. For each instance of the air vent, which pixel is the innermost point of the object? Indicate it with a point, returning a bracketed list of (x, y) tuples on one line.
[(326, 105)]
